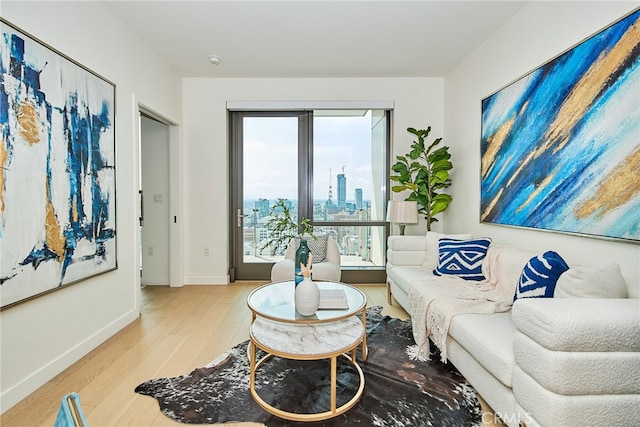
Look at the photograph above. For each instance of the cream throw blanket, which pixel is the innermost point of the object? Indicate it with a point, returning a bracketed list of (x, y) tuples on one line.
[(434, 305)]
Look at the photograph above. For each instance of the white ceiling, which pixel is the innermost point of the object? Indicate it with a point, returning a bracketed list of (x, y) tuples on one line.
[(307, 38)]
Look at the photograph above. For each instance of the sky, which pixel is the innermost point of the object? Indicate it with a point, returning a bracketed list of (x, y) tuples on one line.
[(340, 144)]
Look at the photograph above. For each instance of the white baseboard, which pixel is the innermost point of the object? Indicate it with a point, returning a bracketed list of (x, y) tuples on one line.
[(28, 385), (206, 280), (154, 280)]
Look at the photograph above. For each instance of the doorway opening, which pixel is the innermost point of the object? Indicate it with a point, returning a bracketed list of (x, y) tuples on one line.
[(159, 200)]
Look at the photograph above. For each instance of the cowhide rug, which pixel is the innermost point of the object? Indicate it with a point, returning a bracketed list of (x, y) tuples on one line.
[(398, 391)]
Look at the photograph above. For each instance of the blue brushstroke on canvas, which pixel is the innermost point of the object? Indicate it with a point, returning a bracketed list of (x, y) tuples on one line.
[(88, 216), (554, 150)]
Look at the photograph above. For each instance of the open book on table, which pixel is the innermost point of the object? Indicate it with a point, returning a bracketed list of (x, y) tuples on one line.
[(333, 299)]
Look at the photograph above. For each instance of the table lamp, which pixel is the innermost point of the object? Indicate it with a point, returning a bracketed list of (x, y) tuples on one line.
[(402, 212)]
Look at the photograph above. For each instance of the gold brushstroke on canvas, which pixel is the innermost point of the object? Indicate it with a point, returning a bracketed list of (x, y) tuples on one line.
[(561, 145), (619, 187), (494, 142), (581, 98), (75, 216), (590, 85), (506, 163), (54, 236), (491, 205), (28, 121), (543, 184)]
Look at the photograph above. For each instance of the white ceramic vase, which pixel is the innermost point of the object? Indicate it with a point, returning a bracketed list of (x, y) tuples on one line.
[(307, 297)]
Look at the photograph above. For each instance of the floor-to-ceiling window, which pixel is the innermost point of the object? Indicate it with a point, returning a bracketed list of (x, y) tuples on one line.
[(329, 165)]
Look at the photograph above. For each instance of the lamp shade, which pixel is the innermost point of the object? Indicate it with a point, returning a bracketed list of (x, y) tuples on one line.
[(402, 212)]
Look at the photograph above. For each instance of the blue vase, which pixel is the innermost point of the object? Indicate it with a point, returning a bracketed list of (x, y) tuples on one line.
[(302, 257)]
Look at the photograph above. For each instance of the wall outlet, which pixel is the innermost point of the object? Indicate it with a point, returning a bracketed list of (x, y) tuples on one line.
[(206, 252), (150, 251)]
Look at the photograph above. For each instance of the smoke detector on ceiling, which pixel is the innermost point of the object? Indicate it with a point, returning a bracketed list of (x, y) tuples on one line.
[(215, 59)]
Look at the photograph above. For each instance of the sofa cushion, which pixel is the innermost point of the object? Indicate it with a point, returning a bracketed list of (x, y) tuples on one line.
[(407, 276), (578, 372), (432, 240), (584, 324), (317, 246), (591, 282), (489, 339), (552, 409), (462, 258), (539, 276)]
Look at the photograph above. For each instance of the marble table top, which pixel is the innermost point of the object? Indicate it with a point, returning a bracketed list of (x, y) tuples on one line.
[(303, 339)]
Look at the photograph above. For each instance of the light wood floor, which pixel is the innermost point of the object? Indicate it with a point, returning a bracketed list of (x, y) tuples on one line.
[(180, 329)]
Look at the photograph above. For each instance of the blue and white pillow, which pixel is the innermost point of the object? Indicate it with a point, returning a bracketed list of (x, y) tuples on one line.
[(462, 258), (540, 275)]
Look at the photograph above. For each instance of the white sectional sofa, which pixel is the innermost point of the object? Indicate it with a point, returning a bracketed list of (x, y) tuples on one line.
[(570, 361)]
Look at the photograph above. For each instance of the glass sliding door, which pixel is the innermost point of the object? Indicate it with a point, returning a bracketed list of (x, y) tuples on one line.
[(265, 168), (330, 166)]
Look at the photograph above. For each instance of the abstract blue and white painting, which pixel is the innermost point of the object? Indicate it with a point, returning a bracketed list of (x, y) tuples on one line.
[(57, 175), (561, 146)]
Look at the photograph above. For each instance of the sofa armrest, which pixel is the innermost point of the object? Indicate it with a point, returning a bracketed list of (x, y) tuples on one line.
[(580, 324), (406, 250)]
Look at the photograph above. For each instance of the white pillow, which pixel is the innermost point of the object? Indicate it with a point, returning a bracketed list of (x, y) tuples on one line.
[(432, 259), (317, 246), (591, 282)]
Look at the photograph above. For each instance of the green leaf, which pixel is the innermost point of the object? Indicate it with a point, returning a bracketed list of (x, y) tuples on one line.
[(433, 144), (400, 168), (402, 159), (439, 176), (444, 165), (443, 197), (398, 188), (415, 153), (439, 154), (438, 207)]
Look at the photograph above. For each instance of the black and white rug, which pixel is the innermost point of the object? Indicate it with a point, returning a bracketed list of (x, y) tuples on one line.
[(398, 391)]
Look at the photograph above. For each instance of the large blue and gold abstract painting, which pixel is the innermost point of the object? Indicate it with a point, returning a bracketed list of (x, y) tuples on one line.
[(560, 146), (57, 176)]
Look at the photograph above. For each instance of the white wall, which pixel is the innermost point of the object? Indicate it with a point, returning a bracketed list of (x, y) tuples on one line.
[(539, 32), (42, 337), (418, 103)]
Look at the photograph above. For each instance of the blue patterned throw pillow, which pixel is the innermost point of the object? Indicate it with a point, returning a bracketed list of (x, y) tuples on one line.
[(540, 275), (462, 258)]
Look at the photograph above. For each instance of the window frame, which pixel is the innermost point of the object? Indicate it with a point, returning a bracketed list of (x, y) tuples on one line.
[(305, 202)]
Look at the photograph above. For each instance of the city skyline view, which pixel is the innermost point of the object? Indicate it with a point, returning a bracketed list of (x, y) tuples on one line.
[(347, 161), (341, 145)]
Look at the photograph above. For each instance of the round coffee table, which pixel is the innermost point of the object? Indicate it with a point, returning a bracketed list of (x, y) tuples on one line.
[(278, 330)]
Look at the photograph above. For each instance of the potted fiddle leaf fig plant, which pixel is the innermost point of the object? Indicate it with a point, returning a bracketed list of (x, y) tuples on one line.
[(283, 228), (424, 172)]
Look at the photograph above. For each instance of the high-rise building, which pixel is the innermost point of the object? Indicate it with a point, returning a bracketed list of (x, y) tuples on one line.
[(342, 190), (358, 198), (262, 205)]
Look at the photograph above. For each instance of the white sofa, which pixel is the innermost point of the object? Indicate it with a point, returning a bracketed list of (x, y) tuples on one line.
[(548, 361)]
